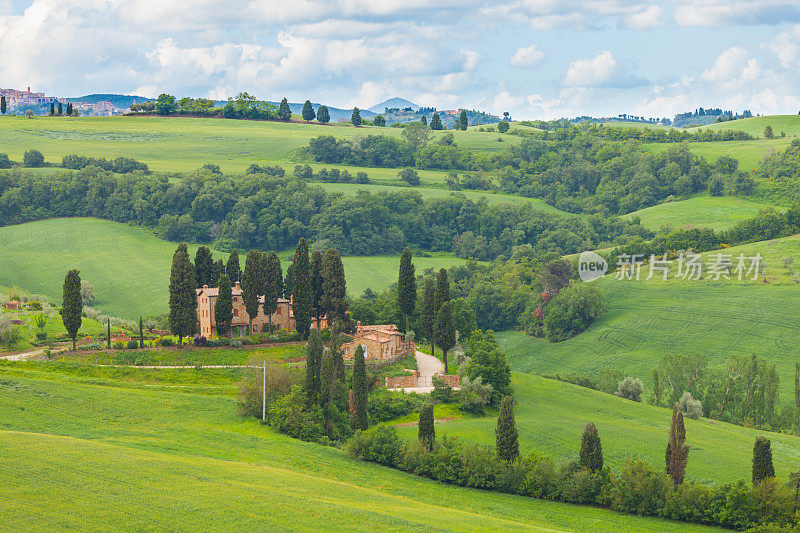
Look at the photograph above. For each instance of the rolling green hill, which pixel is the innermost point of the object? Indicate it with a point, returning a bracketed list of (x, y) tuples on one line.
[(646, 320), (184, 144), (788, 124), (703, 211), (550, 417), (749, 153), (129, 267), (166, 460)]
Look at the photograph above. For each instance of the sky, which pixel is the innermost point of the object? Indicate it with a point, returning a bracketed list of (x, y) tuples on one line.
[(537, 59)]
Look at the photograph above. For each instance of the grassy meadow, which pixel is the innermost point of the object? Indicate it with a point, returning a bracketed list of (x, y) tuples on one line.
[(716, 212), (184, 144), (158, 458), (550, 417), (788, 124), (129, 267)]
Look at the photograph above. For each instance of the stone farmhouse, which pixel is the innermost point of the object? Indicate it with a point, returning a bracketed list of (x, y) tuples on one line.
[(380, 342), (282, 319)]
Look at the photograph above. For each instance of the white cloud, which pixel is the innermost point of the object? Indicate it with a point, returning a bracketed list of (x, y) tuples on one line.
[(650, 17), (733, 64), (471, 59), (527, 56), (735, 12), (598, 70), (786, 46)]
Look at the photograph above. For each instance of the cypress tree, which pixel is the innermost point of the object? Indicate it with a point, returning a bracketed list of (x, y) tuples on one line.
[(108, 333), (3, 105), (314, 352), (52, 108), (60, 109), (762, 460), (797, 393), (182, 295), (334, 288), (72, 305), (141, 333), (355, 118), (429, 311), (507, 436), (677, 453), (284, 111), (69, 109), (407, 286), (423, 120), (232, 267), (288, 282), (303, 298), (316, 279), (219, 270), (308, 111), (204, 267), (327, 375), (223, 307), (273, 286), (323, 116), (436, 122), (463, 122), (445, 332), (591, 455), (252, 284), (360, 390), (442, 289), (426, 431)]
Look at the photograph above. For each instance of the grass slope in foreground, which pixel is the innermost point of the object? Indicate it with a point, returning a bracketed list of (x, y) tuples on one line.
[(129, 267), (716, 212), (550, 417), (646, 320), (182, 144), (143, 459)]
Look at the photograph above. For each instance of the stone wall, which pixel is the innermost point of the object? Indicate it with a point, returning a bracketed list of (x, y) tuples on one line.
[(402, 382), (453, 380)]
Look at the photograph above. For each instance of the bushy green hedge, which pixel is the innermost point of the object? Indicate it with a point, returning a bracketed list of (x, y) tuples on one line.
[(635, 489)]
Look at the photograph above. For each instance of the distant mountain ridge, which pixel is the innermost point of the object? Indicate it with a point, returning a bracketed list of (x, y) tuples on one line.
[(400, 103), (123, 101)]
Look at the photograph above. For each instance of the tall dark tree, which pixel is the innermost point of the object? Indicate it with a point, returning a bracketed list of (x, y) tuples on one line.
[(445, 332), (273, 286), (69, 109), (323, 116), (506, 433), (442, 289), (423, 119), (232, 267), (72, 305), (108, 333), (252, 284), (360, 388), (60, 109), (436, 122), (301, 290), (677, 453), (288, 282), (223, 307), (219, 270), (355, 118), (429, 312), (314, 353), (141, 333), (3, 105), (316, 279), (426, 432), (52, 108), (334, 289), (762, 460), (182, 295), (463, 122), (308, 111), (204, 267), (591, 455), (284, 111), (407, 286)]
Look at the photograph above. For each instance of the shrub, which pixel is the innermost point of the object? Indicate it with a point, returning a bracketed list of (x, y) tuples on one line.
[(442, 392), (119, 345), (291, 414), (200, 341), (5, 162), (572, 311), (384, 406), (33, 159), (638, 489), (236, 343), (410, 176), (690, 407), (164, 341), (474, 396), (378, 445), (630, 389), (278, 383), (132, 344), (9, 333)]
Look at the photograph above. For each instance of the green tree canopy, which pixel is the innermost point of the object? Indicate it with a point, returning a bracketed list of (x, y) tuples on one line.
[(506, 433), (314, 353), (426, 431), (253, 280), (232, 267), (591, 454), (445, 332), (334, 288), (284, 111), (223, 307), (360, 389), (323, 116), (204, 267), (273, 285), (407, 286), (436, 122), (301, 289), (182, 295), (463, 122), (72, 304), (355, 118), (308, 111), (762, 460)]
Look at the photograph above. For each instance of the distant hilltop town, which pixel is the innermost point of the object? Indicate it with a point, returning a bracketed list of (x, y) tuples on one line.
[(19, 102)]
